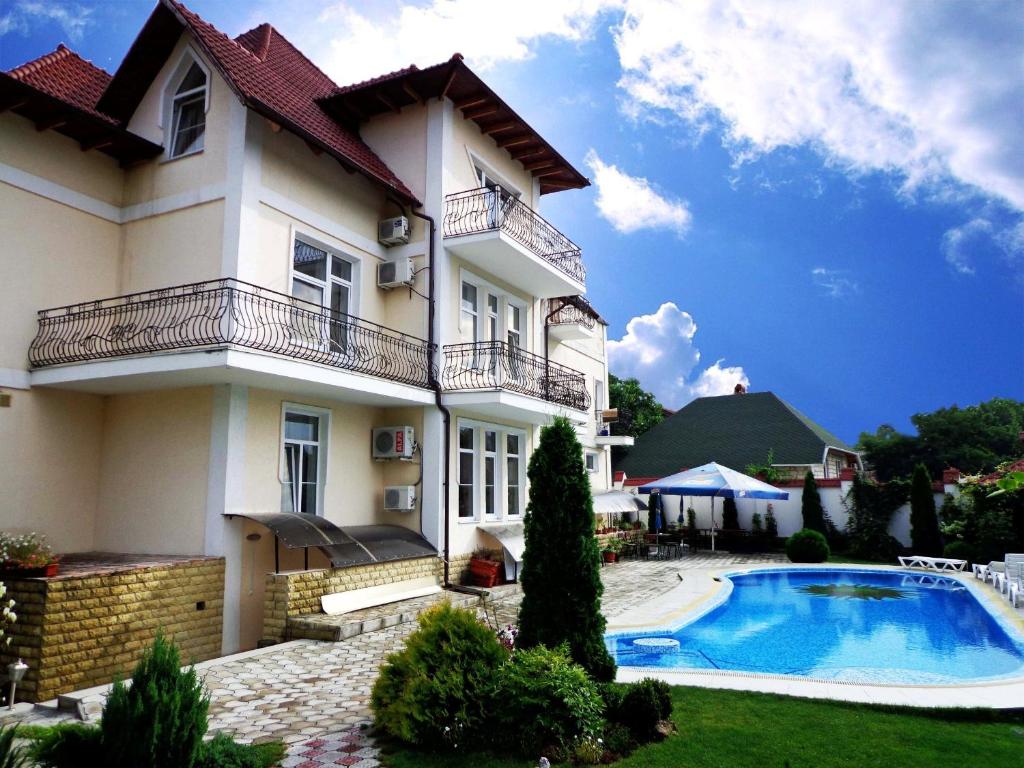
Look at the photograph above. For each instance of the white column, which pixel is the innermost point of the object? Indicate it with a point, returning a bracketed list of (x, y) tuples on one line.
[(225, 492)]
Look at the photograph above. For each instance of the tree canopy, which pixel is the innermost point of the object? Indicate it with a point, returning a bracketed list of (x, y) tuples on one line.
[(638, 409), (973, 439)]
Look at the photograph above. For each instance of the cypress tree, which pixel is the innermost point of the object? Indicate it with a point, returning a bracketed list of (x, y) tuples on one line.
[(561, 564), (924, 523), (814, 515), (730, 517)]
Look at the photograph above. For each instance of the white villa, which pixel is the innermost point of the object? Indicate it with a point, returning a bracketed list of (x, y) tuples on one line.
[(235, 289)]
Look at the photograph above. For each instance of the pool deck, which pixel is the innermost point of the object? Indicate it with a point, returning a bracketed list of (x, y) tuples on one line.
[(701, 589)]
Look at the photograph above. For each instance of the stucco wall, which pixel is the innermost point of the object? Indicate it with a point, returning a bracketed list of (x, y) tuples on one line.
[(50, 449), (154, 472), (400, 140)]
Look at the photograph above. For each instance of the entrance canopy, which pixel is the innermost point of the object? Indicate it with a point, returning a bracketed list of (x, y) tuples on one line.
[(343, 546), (616, 502)]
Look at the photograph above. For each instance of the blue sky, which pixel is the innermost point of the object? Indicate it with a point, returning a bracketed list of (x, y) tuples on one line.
[(824, 200)]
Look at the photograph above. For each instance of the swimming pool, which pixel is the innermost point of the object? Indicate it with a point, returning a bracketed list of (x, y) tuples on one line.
[(850, 625)]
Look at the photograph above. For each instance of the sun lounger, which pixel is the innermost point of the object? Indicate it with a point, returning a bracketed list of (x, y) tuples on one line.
[(933, 563)]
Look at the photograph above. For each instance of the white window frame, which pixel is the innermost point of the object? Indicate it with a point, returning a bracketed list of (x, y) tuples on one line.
[(323, 442), (478, 164), (500, 455), (484, 290), (473, 500), (186, 59), (597, 461), (332, 249)]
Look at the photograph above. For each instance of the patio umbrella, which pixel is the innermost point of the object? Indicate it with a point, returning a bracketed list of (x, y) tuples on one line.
[(715, 481), (654, 512)]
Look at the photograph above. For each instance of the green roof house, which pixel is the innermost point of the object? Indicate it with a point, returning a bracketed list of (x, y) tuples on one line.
[(737, 430)]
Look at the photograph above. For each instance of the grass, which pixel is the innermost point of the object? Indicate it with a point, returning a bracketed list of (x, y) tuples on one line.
[(754, 730), (854, 560)]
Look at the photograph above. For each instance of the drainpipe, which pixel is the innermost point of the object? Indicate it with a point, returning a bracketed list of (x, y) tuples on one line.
[(435, 385)]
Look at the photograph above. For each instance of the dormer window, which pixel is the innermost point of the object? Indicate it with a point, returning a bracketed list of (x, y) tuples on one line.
[(188, 110)]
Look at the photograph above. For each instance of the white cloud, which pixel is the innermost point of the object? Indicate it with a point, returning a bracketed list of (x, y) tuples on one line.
[(364, 45), (658, 350), (23, 16), (835, 282), (630, 203), (959, 244), (930, 92)]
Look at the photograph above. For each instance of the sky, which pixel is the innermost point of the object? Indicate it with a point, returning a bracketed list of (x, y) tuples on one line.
[(822, 200)]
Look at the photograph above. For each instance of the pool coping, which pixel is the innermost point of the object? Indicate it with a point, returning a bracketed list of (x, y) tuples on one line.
[(994, 693)]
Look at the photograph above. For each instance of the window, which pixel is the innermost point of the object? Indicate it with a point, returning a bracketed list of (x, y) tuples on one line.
[(514, 475), (468, 318), (466, 460), (303, 470), (515, 334), (324, 279), (593, 462), (492, 473), (503, 316), (188, 113)]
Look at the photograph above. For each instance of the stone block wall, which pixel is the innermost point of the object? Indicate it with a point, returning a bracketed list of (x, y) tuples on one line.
[(83, 630), (298, 593)]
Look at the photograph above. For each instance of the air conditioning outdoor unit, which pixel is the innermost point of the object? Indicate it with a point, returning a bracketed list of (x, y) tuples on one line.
[(393, 443), (395, 273), (393, 231), (400, 497)]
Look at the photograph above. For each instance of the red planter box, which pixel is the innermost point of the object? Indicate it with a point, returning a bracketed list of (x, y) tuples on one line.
[(25, 573), (485, 573)]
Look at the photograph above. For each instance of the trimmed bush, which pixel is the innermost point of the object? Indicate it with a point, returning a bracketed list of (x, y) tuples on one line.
[(960, 550), (561, 576), (224, 752), (810, 506), (641, 707), (730, 517), (158, 721), (69, 745), (924, 523), (618, 739), (771, 525), (807, 546), (542, 699), (433, 692)]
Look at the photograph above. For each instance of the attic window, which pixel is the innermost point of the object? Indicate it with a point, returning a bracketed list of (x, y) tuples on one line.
[(189, 113)]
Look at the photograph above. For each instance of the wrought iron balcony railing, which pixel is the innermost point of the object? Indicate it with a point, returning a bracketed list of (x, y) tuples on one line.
[(491, 210), (566, 311), (499, 365), (221, 313)]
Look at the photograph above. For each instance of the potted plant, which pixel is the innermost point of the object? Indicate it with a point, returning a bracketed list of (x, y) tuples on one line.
[(611, 550), (485, 568), (26, 555)]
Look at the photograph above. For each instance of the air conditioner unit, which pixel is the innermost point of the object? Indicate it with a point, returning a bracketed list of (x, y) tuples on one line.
[(395, 273), (400, 497), (393, 231), (393, 443)]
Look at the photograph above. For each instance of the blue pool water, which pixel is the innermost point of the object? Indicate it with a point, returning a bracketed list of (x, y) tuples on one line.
[(849, 625)]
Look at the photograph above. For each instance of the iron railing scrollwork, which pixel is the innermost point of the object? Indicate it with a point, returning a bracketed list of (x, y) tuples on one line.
[(494, 209), (499, 365), (227, 312), (563, 312)]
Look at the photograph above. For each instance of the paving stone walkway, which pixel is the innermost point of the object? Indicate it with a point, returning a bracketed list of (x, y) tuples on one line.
[(315, 695)]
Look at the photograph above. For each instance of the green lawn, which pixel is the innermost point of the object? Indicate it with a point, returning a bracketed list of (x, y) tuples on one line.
[(753, 730)]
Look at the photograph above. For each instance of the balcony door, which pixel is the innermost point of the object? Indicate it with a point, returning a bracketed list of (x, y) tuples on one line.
[(500, 199), (323, 279), (495, 323)]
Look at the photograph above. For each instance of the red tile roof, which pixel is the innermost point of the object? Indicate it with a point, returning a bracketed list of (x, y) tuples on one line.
[(636, 482), (65, 75)]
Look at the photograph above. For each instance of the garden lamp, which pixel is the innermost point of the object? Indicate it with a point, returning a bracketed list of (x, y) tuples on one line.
[(15, 673)]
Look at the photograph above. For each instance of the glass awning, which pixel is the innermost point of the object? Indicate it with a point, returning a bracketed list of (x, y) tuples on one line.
[(344, 546)]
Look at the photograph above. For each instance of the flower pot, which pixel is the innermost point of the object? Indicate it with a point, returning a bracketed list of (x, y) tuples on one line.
[(610, 557), (18, 572), (484, 573)]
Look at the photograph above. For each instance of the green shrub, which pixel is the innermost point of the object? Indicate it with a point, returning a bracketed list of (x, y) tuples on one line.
[(807, 546), (756, 527), (224, 752), (618, 739), (730, 516), (771, 525), (69, 745), (11, 756), (433, 692), (588, 752), (641, 707), (159, 720), (924, 523), (561, 576), (960, 550), (541, 698), (810, 506)]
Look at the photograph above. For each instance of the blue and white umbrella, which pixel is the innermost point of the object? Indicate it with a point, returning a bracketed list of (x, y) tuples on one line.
[(714, 480)]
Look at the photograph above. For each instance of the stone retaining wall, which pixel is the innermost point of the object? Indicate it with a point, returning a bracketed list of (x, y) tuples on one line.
[(298, 593), (84, 630)]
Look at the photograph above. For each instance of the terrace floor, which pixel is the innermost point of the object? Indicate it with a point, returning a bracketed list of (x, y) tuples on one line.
[(315, 695)]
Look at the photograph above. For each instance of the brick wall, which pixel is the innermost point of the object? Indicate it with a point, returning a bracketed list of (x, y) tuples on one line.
[(298, 593), (79, 631)]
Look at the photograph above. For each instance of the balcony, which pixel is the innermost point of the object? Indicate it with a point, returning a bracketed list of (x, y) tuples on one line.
[(225, 331), (570, 317), (495, 230), (497, 379)]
